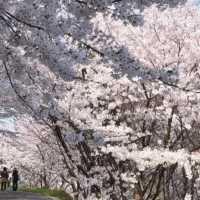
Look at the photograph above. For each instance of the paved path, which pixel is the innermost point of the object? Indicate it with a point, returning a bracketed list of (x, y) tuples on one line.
[(21, 196)]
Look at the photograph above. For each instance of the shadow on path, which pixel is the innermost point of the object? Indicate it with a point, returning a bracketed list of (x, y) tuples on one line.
[(21, 196)]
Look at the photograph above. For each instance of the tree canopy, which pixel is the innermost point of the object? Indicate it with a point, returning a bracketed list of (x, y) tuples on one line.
[(105, 96)]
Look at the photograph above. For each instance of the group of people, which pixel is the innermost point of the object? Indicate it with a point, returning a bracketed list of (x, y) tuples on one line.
[(7, 178)]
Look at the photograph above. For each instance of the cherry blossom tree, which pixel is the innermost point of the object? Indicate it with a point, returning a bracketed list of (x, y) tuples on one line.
[(113, 93)]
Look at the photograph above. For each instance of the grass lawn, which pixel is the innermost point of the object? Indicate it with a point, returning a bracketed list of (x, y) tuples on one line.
[(61, 195)]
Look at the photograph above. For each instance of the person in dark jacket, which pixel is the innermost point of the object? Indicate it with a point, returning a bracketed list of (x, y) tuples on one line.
[(15, 179), (4, 179)]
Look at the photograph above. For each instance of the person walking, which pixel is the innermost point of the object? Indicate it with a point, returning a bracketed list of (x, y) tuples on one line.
[(15, 179), (4, 179)]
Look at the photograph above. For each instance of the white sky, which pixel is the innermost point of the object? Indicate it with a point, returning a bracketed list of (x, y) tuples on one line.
[(7, 124), (197, 2)]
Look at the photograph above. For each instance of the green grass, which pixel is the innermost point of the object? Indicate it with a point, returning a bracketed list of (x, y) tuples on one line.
[(61, 195)]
